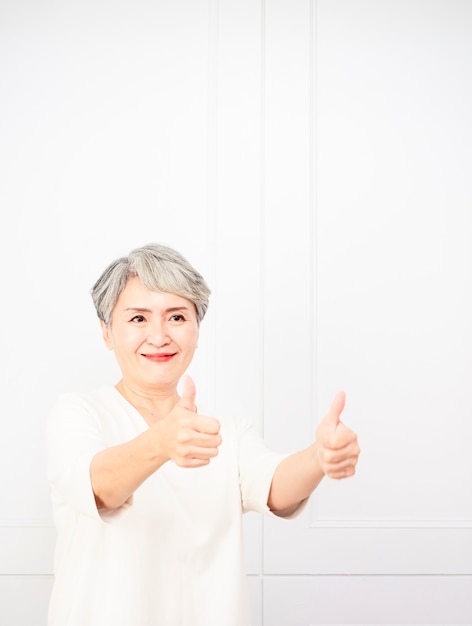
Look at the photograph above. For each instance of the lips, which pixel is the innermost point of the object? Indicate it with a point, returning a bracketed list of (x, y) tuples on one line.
[(163, 357)]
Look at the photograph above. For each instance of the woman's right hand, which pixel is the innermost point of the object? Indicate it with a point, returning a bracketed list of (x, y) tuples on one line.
[(187, 438), (183, 436)]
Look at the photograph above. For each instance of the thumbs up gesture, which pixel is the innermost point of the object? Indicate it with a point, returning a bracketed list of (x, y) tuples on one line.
[(189, 439), (187, 400), (336, 445)]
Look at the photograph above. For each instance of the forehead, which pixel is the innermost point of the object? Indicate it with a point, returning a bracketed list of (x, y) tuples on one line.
[(137, 295)]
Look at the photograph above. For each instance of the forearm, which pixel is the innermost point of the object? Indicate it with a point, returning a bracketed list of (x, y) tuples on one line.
[(295, 478), (116, 472)]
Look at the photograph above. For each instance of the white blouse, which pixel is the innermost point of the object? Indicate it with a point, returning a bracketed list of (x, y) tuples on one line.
[(170, 556)]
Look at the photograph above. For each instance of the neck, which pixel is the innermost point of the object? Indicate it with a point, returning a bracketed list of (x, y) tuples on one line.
[(153, 405)]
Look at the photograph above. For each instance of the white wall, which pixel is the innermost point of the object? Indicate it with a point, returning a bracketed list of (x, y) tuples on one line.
[(312, 159)]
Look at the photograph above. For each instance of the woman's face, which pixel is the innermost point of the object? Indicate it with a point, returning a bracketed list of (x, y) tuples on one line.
[(153, 334)]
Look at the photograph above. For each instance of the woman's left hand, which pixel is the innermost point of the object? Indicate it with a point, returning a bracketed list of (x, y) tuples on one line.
[(336, 445)]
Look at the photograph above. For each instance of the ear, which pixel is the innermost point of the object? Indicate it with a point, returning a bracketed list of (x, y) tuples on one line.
[(106, 335)]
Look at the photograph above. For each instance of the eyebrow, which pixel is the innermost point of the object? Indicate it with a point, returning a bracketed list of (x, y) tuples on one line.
[(145, 310)]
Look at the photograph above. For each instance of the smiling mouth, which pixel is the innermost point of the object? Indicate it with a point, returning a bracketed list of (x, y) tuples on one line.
[(160, 358)]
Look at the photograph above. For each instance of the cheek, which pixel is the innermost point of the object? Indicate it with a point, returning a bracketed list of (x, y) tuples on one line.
[(128, 339), (191, 340)]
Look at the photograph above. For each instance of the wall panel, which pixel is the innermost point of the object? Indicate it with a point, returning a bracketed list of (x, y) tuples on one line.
[(24, 600), (235, 187), (287, 245), (409, 601), (392, 314)]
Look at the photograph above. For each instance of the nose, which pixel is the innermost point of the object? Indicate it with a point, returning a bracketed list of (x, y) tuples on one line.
[(157, 335)]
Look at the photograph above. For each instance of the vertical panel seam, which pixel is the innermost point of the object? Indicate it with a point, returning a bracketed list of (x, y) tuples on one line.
[(262, 208), (262, 262), (212, 160), (314, 219)]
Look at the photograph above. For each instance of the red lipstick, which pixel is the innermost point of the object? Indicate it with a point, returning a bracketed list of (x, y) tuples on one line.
[(160, 357)]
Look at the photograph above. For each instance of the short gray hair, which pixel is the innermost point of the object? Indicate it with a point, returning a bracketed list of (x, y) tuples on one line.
[(160, 268)]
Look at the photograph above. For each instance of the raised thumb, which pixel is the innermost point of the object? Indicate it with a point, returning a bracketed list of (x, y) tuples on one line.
[(334, 414), (187, 399)]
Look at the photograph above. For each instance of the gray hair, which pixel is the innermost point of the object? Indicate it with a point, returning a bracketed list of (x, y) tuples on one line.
[(160, 268)]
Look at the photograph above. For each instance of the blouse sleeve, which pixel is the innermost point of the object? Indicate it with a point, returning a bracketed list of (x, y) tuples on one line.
[(257, 464), (73, 439)]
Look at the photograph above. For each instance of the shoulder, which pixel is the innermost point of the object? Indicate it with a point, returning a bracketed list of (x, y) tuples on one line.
[(107, 394), (71, 404)]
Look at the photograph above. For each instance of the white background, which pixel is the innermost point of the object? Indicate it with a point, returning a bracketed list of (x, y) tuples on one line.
[(313, 160)]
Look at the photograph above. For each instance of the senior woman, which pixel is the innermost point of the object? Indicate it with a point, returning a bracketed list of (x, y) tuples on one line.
[(148, 494)]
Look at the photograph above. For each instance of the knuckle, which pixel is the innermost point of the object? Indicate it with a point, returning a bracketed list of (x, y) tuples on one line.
[(182, 452), (329, 457)]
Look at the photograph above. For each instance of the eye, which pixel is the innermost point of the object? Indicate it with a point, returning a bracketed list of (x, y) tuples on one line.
[(137, 319), (177, 317)]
